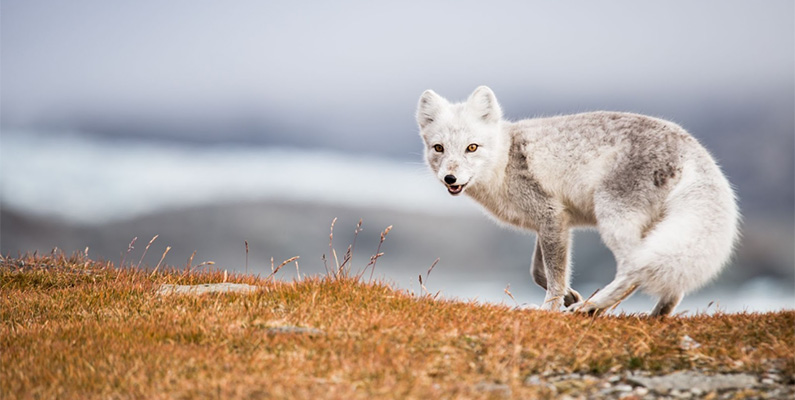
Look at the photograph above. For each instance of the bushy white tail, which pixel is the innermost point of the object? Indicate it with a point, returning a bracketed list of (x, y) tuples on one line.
[(696, 236)]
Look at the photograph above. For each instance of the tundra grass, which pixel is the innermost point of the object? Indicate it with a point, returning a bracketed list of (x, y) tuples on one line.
[(76, 328)]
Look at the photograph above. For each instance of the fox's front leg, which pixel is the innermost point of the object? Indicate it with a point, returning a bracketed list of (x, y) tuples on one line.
[(538, 271), (552, 254)]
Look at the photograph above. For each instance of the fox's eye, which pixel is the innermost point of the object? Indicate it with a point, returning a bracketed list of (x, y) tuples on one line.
[(439, 148), (472, 147)]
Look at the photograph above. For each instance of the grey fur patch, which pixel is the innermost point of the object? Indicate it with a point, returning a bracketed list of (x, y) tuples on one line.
[(663, 175), (651, 164)]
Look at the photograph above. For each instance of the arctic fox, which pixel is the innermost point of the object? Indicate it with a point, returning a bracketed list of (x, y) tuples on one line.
[(656, 196)]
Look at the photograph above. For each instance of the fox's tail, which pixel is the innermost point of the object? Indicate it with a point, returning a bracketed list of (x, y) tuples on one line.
[(697, 234)]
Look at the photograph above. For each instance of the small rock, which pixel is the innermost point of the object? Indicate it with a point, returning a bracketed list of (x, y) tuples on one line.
[(206, 288), (680, 394), (533, 380), (687, 380), (573, 375), (500, 388), (641, 391), (687, 343), (774, 377), (569, 385), (622, 388), (768, 381), (287, 329)]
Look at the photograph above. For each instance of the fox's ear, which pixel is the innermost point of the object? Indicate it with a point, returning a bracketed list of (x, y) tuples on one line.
[(428, 108), (483, 103)]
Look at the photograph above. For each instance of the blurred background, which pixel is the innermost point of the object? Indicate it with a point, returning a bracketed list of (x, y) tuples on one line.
[(215, 123)]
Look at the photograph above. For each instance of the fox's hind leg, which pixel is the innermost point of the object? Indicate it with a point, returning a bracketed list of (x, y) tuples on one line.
[(621, 220), (537, 269), (615, 292), (666, 305)]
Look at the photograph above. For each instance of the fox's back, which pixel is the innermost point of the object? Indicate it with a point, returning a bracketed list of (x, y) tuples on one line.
[(573, 156)]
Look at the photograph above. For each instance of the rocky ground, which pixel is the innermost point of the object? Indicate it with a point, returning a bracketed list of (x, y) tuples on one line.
[(678, 385)]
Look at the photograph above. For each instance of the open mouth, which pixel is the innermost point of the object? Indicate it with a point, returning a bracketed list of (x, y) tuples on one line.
[(455, 189)]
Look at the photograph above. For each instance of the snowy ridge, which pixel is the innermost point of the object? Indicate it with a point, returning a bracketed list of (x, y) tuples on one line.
[(83, 180)]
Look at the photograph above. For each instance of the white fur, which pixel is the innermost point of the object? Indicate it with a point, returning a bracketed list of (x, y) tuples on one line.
[(658, 199)]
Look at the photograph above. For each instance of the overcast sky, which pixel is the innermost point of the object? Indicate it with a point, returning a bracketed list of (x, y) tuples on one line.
[(354, 68)]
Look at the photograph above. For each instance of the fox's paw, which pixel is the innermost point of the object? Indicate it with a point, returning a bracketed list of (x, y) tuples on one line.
[(553, 303), (571, 298), (585, 307)]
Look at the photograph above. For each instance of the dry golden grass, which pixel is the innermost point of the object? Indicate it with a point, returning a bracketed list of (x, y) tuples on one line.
[(75, 328)]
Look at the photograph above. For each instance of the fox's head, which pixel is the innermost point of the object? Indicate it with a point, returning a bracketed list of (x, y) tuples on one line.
[(462, 141)]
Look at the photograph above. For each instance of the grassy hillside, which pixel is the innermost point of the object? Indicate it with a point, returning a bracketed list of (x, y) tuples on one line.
[(75, 328)]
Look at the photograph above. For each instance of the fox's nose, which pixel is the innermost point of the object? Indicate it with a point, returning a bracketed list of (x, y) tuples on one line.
[(449, 179)]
